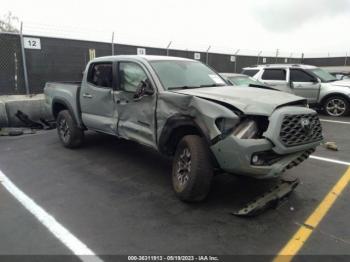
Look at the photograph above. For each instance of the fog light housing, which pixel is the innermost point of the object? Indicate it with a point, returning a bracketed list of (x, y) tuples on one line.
[(255, 159), (265, 158)]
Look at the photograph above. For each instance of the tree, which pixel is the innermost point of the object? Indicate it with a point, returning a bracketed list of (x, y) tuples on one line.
[(9, 23)]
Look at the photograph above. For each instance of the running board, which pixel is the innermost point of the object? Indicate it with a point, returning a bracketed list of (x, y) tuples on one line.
[(269, 199)]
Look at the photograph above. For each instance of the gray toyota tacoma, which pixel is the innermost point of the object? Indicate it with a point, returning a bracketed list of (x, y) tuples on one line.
[(184, 109)]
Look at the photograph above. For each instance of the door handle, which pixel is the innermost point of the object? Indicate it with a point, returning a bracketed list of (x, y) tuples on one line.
[(86, 95)]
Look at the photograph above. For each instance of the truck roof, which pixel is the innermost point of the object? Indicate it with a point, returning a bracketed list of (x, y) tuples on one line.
[(140, 57), (281, 66)]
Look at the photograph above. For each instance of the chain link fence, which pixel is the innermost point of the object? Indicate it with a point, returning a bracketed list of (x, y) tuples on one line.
[(11, 65), (59, 58)]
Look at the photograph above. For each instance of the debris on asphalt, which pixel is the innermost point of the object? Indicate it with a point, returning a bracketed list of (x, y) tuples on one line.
[(331, 146), (43, 124), (269, 199), (11, 131)]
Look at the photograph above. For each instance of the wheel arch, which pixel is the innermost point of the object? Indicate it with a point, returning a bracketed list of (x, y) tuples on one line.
[(324, 99), (175, 128), (59, 104)]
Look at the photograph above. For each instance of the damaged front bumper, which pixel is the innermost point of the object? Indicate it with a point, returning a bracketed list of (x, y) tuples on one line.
[(235, 156)]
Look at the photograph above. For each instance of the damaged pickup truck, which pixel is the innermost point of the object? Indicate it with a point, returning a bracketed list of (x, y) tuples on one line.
[(184, 109)]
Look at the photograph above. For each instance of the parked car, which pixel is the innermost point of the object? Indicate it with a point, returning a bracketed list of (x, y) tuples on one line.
[(319, 87), (182, 108), (240, 79)]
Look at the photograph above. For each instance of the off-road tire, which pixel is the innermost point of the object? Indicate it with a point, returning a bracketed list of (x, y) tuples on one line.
[(74, 136), (197, 185), (343, 101)]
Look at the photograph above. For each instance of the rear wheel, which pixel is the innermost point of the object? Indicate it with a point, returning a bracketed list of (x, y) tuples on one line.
[(69, 133), (192, 169), (336, 106)]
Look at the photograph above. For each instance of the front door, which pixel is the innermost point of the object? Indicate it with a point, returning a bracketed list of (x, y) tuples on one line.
[(136, 116), (304, 85), (97, 100)]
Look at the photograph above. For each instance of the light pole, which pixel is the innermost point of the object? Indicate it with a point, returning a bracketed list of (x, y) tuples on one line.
[(236, 59), (167, 48), (257, 63), (112, 43), (25, 73), (207, 58), (277, 52), (346, 58)]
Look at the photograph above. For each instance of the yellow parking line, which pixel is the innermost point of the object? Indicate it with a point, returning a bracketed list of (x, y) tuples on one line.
[(301, 236)]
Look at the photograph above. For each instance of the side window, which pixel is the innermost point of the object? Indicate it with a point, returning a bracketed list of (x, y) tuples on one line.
[(300, 76), (274, 74), (101, 75), (131, 75), (250, 72)]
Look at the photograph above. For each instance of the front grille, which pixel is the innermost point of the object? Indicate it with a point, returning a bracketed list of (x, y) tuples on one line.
[(300, 129)]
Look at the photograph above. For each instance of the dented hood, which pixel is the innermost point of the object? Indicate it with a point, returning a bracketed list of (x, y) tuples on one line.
[(249, 100)]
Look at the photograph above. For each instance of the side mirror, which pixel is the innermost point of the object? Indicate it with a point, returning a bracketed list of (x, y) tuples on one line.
[(148, 89), (144, 89), (316, 80)]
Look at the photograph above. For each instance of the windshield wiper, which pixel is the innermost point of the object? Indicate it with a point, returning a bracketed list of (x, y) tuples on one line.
[(212, 85), (192, 87), (183, 87)]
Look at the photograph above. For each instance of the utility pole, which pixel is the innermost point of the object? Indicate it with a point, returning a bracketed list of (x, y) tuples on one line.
[(25, 73), (167, 48), (207, 58), (112, 43)]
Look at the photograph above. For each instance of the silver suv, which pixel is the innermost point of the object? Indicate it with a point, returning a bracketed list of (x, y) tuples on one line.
[(319, 87)]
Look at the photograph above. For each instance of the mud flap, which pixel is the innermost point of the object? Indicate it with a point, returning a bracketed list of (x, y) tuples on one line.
[(269, 199)]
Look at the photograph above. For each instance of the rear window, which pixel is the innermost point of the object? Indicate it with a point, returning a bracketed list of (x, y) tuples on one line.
[(250, 72), (100, 74), (274, 74)]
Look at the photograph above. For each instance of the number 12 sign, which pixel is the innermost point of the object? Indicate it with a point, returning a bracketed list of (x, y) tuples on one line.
[(32, 43)]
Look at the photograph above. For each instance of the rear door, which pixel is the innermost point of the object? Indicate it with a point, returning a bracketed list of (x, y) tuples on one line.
[(96, 98), (136, 116), (276, 78), (304, 85)]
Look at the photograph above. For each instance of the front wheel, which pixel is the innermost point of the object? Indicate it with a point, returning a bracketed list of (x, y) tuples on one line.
[(69, 133), (192, 169), (336, 106)]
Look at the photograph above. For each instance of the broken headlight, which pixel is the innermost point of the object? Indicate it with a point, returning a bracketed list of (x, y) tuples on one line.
[(225, 125), (247, 129)]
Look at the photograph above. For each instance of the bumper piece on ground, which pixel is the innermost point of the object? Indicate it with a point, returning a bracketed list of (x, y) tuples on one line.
[(269, 199)]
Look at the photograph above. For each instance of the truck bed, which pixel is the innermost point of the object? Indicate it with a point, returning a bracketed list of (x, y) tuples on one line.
[(67, 93)]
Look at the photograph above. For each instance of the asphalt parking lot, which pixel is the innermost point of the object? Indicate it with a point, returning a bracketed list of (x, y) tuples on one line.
[(115, 197)]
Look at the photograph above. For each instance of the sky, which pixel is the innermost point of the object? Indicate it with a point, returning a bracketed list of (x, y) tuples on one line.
[(314, 27)]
